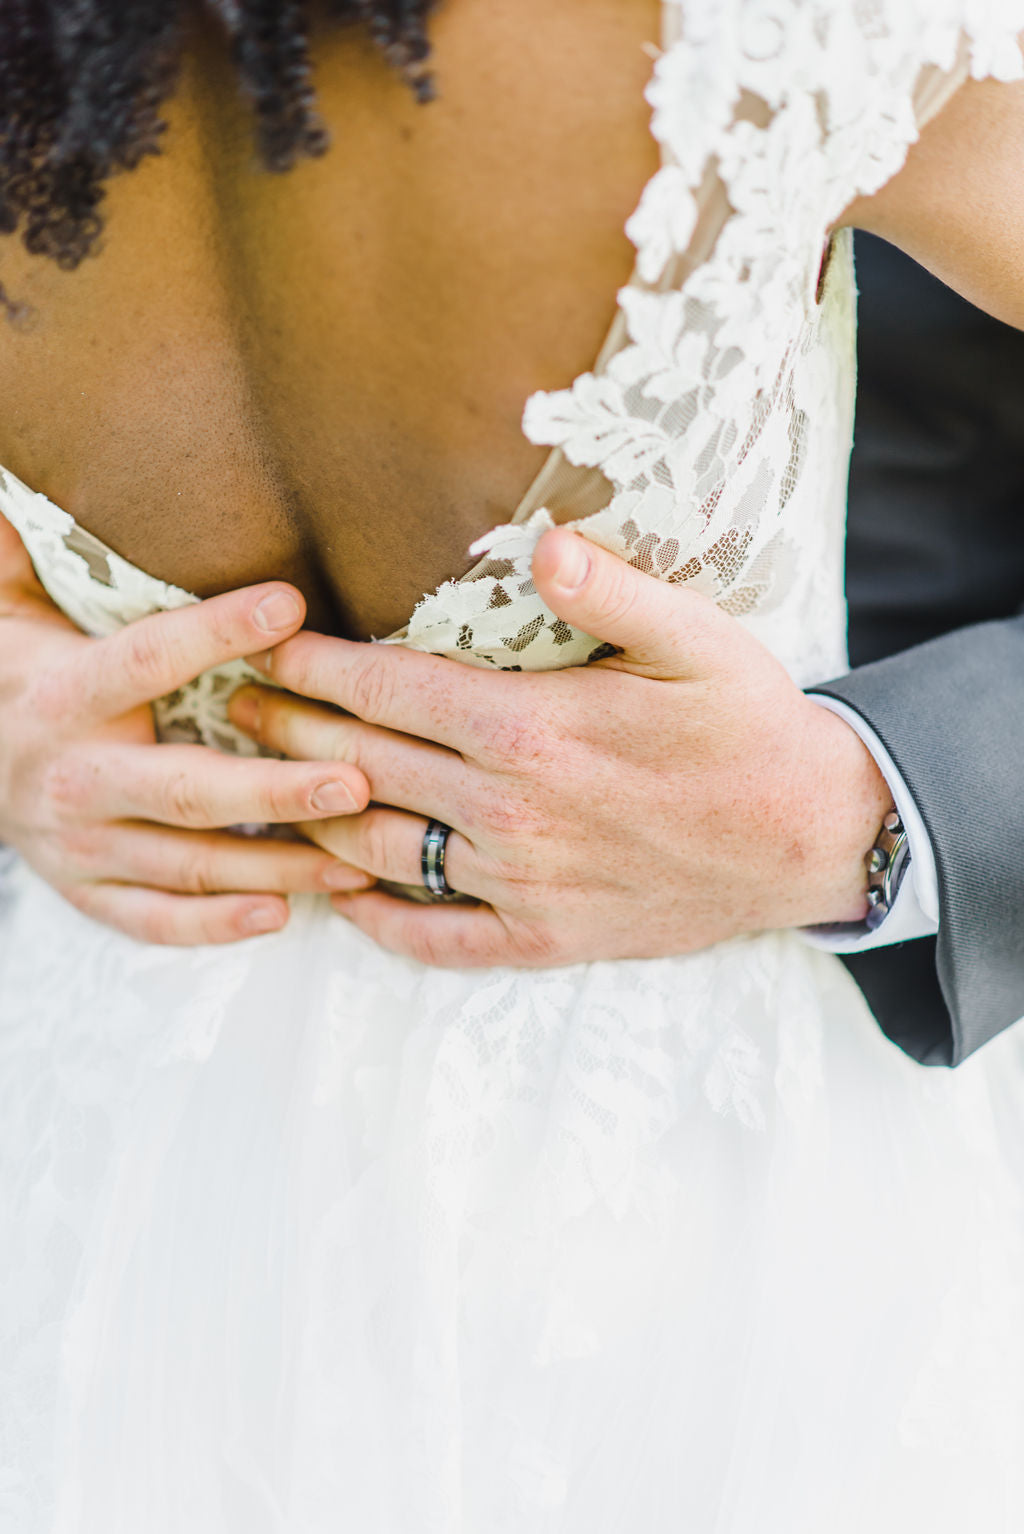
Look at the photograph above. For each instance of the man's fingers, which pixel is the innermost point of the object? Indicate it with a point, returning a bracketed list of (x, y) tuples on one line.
[(308, 732), (383, 684), (448, 937), (154, 656), (663, 630), (197, 788), (205, 862), (388, 844), (152, 916), (400, 769)]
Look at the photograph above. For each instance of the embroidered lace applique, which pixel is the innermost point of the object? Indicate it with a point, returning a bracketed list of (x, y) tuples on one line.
[(720, 416)]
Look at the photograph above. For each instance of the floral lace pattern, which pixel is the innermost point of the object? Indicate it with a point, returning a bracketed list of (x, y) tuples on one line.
[(721, 415), (102, 592), (298, 1232)]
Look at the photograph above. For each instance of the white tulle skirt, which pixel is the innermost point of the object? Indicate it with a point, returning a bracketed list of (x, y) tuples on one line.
[(300, 1237)]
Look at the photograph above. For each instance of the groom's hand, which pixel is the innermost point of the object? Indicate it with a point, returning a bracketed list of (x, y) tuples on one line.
[(680, 793)]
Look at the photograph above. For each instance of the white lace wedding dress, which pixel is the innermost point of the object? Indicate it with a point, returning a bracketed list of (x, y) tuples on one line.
[(297, 1236)]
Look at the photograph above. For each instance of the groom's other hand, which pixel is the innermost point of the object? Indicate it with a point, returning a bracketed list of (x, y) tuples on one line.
[(677, 794), (131, 835)]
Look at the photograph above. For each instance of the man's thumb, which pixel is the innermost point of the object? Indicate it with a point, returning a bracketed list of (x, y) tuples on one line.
[(661, 629)]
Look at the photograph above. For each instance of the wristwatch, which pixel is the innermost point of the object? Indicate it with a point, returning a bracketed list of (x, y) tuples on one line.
[(887, 863)]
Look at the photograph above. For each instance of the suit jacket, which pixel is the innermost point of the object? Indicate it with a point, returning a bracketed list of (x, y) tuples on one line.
[(935, 583)]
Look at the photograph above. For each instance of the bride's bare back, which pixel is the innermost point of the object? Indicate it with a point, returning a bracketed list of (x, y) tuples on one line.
[(321, 375)]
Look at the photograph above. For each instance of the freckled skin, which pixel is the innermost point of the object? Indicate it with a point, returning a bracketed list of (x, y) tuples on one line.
[(320, 376)]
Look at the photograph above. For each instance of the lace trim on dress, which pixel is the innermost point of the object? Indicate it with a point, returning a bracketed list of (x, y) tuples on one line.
[(101, 593), (724, 371), (771, 118)]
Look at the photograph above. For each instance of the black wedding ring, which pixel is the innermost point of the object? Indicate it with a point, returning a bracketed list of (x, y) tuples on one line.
[(435, 845)]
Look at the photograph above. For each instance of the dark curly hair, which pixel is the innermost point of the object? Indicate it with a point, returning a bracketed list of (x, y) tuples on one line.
[(82, 83)]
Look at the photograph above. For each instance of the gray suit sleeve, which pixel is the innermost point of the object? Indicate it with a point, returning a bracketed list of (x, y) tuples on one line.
[(951, 715)]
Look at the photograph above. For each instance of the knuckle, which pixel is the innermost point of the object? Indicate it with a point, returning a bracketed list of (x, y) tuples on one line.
[(510, 818), (66, 786), (279, 800), (620, 592), (196, 872), (372, 687), (518, 739), (183, 800), (224, 624), (339, 741), (373, 845), (143, 656)]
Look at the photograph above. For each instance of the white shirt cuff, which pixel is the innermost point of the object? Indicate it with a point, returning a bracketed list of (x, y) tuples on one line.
[(915, 911)]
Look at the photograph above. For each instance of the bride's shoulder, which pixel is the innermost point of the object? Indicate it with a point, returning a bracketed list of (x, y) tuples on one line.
[(954, 99), (820, 101), (857, 57)]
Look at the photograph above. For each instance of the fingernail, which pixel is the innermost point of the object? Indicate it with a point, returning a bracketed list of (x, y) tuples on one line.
[(276, 612), (334, 799), (341, 877), (262, 918), (574, 566), (245, 711)]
